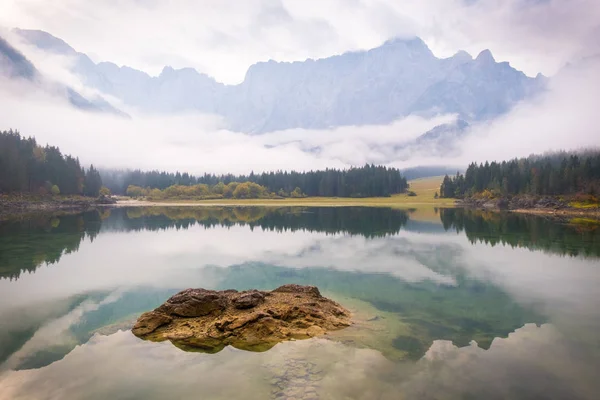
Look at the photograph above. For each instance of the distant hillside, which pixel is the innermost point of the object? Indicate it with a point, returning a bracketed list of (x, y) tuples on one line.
[(14, 65), (377, 86)]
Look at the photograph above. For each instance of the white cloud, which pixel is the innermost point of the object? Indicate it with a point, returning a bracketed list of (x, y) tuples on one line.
[(223, 38)]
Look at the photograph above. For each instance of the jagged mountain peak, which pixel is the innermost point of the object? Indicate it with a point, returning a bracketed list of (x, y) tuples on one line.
[(169, 72), (413, 43), (376, 86), (485, 57), (462, 56), (397, 49)]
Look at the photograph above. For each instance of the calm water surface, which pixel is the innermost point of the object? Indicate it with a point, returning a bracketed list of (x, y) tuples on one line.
[(448, 304)]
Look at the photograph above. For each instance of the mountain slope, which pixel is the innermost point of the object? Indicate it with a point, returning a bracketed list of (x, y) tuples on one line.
[(14, 65), (377, 86)]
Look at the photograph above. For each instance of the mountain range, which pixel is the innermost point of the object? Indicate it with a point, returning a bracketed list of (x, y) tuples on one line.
[(377, 86)]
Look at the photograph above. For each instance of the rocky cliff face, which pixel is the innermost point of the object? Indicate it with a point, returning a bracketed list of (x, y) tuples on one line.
[(377, 86), (208, 320)]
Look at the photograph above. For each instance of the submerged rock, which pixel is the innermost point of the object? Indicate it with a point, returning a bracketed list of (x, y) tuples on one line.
[(208, 320)]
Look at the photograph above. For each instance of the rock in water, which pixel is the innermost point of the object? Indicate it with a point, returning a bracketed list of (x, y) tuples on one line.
[(208, 320)]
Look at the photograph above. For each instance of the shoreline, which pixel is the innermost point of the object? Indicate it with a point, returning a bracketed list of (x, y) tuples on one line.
[(561, 213), (303, 202), (545, 206), (26, 206)]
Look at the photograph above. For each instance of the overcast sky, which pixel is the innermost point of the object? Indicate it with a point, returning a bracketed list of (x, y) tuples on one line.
[(224, 37)]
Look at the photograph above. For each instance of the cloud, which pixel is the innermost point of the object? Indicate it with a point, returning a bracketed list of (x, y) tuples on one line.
[(531, 361), (536, 362), (534, 35), (224, 38), (532, 278), (56, 333)]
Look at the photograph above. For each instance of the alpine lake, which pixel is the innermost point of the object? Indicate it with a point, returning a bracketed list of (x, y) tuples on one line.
[(447, 303)]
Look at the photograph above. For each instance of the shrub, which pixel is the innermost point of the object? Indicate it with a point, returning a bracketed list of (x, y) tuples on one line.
[(55, 190), (135, 191), (296, 193), (104, 191)]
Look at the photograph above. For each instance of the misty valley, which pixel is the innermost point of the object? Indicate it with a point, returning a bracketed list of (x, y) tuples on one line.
[(291, 200)]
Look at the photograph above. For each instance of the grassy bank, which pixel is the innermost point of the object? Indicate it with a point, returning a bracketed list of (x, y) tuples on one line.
[(424, 189)]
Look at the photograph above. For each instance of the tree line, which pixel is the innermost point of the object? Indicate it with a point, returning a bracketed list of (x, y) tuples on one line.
[(366, 181), (554, 174), (233, 190), (28, 167)]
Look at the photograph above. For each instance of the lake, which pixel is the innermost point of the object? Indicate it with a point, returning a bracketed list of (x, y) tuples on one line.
[(448, 303)]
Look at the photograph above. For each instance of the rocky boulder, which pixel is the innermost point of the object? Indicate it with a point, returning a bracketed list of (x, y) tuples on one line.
[(248, 299), (209, 320), (194, 303)]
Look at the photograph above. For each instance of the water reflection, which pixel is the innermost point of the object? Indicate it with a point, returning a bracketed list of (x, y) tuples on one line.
[(420, 289), (534, 233), (533, 362)]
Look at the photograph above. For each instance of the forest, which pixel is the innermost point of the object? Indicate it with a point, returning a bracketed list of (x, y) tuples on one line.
[(366, 181), (553, 174), (27, 167)]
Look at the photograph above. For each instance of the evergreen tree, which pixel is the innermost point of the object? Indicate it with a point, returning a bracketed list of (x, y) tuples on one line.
[(366, 181), (27, 167), (554, 174), (92, 183)]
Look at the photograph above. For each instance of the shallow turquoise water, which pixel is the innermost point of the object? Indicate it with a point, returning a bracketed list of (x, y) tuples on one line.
[(463, 305)]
